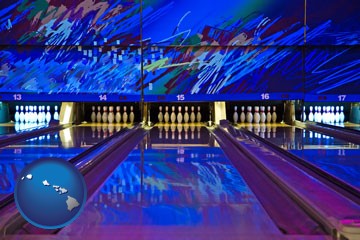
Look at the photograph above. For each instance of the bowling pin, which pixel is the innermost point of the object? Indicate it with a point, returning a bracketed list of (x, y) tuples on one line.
[(22, 114), (198, 115), (341, 116), (93, 115), (166, 115), (274, 115), (132, 115), (31, 114), (111, 116), (304, 114), (323, 116), (337, 115), (192, 115), (104, 116), (26, 114), (235, 115), (311, 114), (316, 114), (44, 114), (256, 115), (242, 114), (48, 114), (117, 115), (186, 114), (249, 115), (56, 113), (328, 115), (125, 115), (35, 115), (98, 115), (160, 115), (332, 114), (262, 114), (179, 115), (40, 115), (172, 115), (17, 114), (268, 115)]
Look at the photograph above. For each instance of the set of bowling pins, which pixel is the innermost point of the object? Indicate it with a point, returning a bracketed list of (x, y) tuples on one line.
[(177, 131), (329, 114), (259, 115), (179, 117), (110, 117), (34, 114)]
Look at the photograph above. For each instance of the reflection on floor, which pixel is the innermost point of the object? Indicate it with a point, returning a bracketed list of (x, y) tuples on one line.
[(11, 127), (335, 156), (169, 191), (291, 137)]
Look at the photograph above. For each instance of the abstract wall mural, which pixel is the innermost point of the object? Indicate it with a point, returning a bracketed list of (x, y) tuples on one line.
[(222, 70), (69, 69), (225, 23), (185, 47), (334, 22), (55, 22), (332, 70)]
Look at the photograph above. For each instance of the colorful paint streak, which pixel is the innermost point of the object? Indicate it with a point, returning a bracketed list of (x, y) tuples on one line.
[(229, 23), (217, 70), (332, 70), (339, 21), (70, 70), (70, 23)]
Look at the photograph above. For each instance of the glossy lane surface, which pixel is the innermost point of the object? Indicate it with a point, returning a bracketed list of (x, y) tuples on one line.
[(338, 157), (185, 190)]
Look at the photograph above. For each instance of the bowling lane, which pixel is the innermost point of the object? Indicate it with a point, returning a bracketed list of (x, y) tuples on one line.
[(168, 190), (338, 157), (65, 144)]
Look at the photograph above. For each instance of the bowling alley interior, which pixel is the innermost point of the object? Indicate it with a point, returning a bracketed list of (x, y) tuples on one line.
[(184, 119)]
